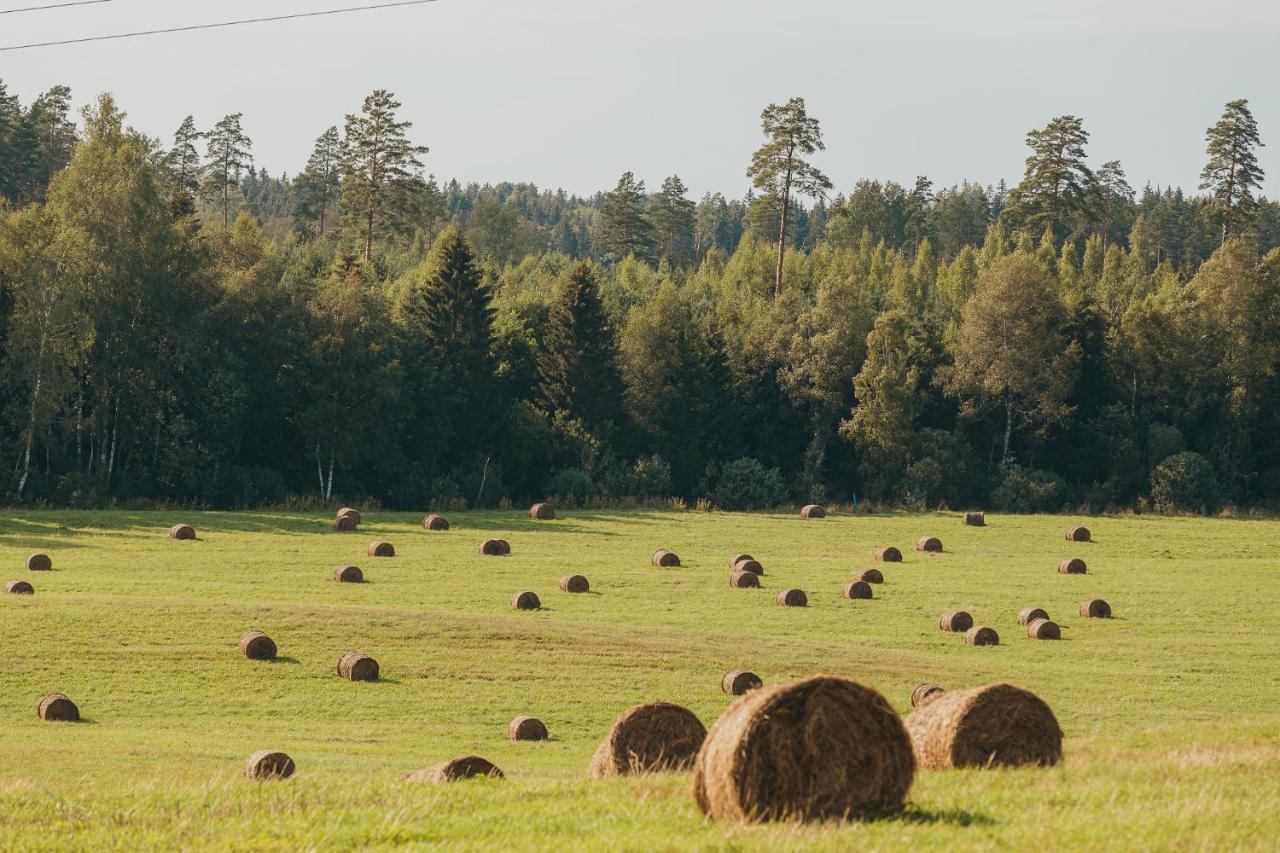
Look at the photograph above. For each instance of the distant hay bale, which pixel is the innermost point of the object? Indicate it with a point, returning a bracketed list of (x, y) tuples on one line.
[(542, 512), (575, 583), (348, 574), (870, 576), (1027, 615), (925, 693), (889, 555), (955, 620), (857, 589), (1043, 629), (378, 548), (19, 588), (975, 519), (649, 738), (981, 635), (813, 750), (738, 558), (492, 548), (57, 708), (182, 531), (504, 548), (1079, 534), (665, 559), (813, 511), (749, 565), (348, 512), (995, 726), (929, 544), (268, 765), (345, 524), (1095, 608), (435, 522), (258, 646), (527, 728), (1073, 566), (739, 681), (526, 601), (39, 563), (354, 666), (457, 770), (744, 580), (793, 598)]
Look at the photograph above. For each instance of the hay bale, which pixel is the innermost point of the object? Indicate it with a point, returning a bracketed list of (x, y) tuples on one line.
[(1043, 629), (744, 580), (819, 749), (19, 588), (955, 620), (574, 583), (995, 726), (929, 544), (857, 589), (975, 519), (1095, 608), (457, 770), (258, 646), (354, 666), (378, 548), (1079, 534), (182, 531), (649, 738), (527, 728), (435, 522), (505, 547), (739, 681), (526, 601), (348, 574), (665, 559), (348, 512), (793, 598), (492, 548), (981, 635), (57, 708), (889, 555), (870, 576), (749, 565), (1073, 566), (1027, 615), (39, 563), (268, 765), (542, 512), (925, 693), (738, 558), (345, 524), (813, 511)]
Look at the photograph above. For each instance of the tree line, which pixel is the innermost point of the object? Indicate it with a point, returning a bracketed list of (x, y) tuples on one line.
[(179, 326)]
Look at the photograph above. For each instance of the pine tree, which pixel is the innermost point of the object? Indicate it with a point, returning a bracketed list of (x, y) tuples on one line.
[(55, 136), (672, 217), (578, 365), (625, 230), (1232, 172), (1055, 187), (228, 153), (317, 185), (380, 167), (183, 160)]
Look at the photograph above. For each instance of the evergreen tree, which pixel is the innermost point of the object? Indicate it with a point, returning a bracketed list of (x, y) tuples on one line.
[(625, 230), (1054, 189), (380, 168), (183, 160), (317, 185), (228, 153), (672, 217), (1233, 173)]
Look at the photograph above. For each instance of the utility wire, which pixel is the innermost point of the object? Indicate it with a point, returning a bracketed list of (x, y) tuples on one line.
[(221, 24), (51, 6)]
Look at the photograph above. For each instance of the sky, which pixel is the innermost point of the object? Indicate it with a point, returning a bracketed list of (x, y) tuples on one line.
[(571, 93)]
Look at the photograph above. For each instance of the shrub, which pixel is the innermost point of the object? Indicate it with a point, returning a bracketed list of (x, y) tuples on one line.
[(746, 484), (1028, 490), (570, 487), (650, 478), (1185, 482)]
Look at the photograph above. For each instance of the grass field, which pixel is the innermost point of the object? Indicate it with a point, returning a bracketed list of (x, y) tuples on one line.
[(1170, 713)]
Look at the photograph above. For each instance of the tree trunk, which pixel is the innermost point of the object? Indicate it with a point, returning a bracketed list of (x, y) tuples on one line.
[(320, 471), (31, 421), (368, 234), (328, 490), (782, 235), (1008, 429)]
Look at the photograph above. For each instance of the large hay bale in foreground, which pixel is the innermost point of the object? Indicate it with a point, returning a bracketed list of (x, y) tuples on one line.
[(955, 620), (665, 559), (975, 519), (870, 576), (1043, 629), (749, 565), (268, 765), (889, 555), (793, 598), (457, 770), (929, 544), (258, 646), (435, 522), (57, 708), (526, 600), (925, 693), (542, 512), (1079, 534), (575, 583), (39, 563), (1072, 566), (378, 548), (354, 666), (182, 531), (857, 589), (19, 588), (818, 749), (995, 726), (649, 738), (527, 728), (345, 524), (981, 635), (1095, 608), (744, 580), (739, 681), (348, 574), (813, 511), (738, 558), (348, 512), (1027, 615)]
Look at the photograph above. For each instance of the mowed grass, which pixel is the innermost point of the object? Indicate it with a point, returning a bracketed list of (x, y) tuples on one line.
[(1169, 709)]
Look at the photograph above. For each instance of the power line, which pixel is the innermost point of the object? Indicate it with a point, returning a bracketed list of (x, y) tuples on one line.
[(51, 6), (221, 24)]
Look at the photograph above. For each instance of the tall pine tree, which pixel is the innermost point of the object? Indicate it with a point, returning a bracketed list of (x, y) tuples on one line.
[(317, 186), (625, 228), (229, 153), (380, 168), (1233, 173)]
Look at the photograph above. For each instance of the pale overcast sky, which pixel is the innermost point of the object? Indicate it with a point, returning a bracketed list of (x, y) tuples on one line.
[(573, 92)]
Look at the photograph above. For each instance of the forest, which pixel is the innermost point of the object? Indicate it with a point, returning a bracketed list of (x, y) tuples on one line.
[(179, 327)]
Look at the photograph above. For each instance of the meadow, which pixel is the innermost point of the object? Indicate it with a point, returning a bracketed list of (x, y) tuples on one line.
[(1169, 708)]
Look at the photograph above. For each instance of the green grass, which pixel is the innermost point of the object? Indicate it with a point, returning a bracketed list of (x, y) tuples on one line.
[(1173, 733)]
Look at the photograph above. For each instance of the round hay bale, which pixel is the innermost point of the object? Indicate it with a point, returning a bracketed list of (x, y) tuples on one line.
[(995, 726), (793, 598), (57, 708), (258, 646), (739, 681), (348, 574), (542, 512), (889, 555), (526, 601), (649, 738), (749, 565), (955, 620), (345, 524), (575, 583), (1095, 608), (348, 512), (504, 548), (435, 522), (1043, 629), (1079, 534), (929, 544), (925, 693), (665, 559), (457, 770), (738, 558), (870, 576), (182, 531), (378, 548), (19, 588), (39, 563), (268, 765), (527, 728), (975, 519), (857, 589), (1027, 615), (819, 749), (981, 635), (354, 666), (1073, 566), (813, 511), (744, 580), (491, 548)]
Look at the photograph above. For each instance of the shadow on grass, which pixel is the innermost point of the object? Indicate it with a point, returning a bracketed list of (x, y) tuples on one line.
[(285, 659), (950, 817)]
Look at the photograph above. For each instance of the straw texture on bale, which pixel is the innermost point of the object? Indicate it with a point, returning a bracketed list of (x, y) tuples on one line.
[(1079, 534), (870, 576), (1073, 566), (182, 531), (354, 666), (39, 563), (575, 583), (995, 726), (819, 749), (749, 565), (348, 574), (857, 589), (458, 770), (345, 524), (435, 522), (19, 588), (258, 646), (813, 511), (1027, 615), (527, 728), (491, 548), (1095, 608), (57, 708), (526, 601), (504, 548), (738, 558), (1043, 629), (739, 681), (955, 620), (930, 544), (793, 598), (744, 580), (348, 512), (665, 559), (269, 765), (542, 512), (981, 635), (649, 738), (925, 693), (378, 548), (975, 519), (889, 555)]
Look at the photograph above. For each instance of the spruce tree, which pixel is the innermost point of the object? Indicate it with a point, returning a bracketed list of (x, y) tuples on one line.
[(183, 160), (625, 230), (672, 217), (1233, 173), (317, 185)]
